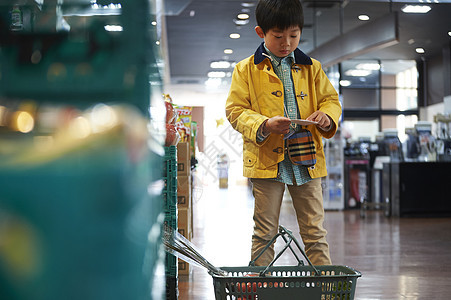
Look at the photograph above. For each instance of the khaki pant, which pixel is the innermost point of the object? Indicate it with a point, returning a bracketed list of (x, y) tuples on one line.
[(308, 204)]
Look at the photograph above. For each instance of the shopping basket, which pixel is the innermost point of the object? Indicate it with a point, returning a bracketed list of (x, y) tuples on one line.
[(303, 282)]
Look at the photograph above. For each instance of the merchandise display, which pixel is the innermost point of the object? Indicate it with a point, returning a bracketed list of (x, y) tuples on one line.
[(412, 147), (180, 145), (81, 149), (333, 183), (392, 144), (356, 173), (426, 141), (443, 135)]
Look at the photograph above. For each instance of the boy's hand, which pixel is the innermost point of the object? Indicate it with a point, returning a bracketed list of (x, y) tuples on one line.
[(277, 124), (322, 119)]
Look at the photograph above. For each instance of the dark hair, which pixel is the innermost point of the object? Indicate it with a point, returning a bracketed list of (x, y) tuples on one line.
[(281, 14)]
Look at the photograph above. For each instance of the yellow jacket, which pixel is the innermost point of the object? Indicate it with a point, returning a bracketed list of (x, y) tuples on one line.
[(257, 94)]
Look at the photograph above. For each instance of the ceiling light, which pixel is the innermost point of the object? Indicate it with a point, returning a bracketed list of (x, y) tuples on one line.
[(240, 22), (364, 18), (111, 6), (228, 51), (113, 28), (419, 50), (345, 82), (215, 74), (248, 4), (192, 13), (234, 35), (243, 16), (415, 9), (357, 73), (369, 66), (154, 23), (220, 64), (449, 33)]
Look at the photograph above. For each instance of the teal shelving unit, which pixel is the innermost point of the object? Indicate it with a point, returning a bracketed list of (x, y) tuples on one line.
[(81, 189), (170, 200)]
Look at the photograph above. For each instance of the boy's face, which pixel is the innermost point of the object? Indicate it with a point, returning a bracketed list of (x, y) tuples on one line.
[(280, 42)]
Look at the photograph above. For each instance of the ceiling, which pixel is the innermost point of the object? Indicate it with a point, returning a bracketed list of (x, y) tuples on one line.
[(198, 31)]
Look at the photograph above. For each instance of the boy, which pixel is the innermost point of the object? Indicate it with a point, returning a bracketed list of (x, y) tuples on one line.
[(276, 84)]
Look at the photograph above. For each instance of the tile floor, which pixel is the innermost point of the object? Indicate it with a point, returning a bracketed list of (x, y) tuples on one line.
[(399, 258)]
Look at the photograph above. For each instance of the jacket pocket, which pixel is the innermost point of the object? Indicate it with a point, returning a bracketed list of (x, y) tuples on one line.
[(249, 159)]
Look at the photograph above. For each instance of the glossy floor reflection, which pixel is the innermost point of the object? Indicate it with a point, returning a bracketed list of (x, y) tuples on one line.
[(399, 258)]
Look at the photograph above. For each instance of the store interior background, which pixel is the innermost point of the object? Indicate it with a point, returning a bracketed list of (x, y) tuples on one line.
[(384, 79), (81, 151)]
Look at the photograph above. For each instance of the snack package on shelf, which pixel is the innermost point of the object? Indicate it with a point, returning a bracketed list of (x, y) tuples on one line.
[(171, 114), (172, 135), (183, 123)]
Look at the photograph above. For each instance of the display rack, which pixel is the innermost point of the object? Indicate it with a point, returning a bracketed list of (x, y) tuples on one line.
[(333, 182)]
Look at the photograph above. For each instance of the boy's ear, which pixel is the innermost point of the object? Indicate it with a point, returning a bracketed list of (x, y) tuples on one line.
[(259, 31)]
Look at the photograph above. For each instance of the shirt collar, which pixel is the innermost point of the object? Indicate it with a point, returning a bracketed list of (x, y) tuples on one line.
[(300, 57), (275, 60)]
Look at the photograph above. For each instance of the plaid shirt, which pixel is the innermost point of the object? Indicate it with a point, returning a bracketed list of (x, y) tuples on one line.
[(288, 172)]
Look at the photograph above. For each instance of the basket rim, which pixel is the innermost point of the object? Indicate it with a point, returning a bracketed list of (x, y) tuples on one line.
[(353, 272)]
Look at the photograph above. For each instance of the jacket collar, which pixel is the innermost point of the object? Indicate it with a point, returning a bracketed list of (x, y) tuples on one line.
[(300, 57)]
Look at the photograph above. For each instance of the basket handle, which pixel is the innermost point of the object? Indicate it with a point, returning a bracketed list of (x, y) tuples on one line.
[(287, 245), (283, 232)]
